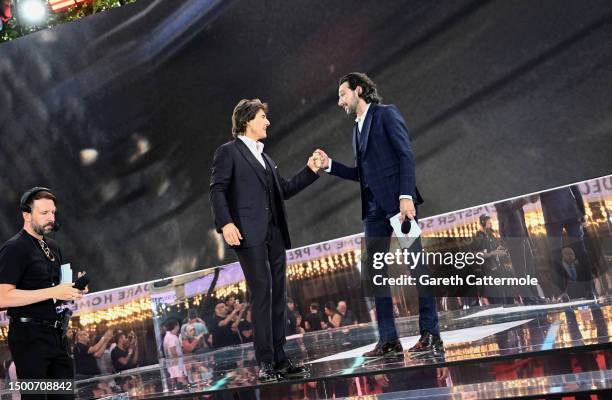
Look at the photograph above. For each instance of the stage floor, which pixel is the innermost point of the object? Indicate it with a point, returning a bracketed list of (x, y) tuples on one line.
[(501, 352)]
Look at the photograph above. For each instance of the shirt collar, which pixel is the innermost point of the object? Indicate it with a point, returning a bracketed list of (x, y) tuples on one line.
[(252, 144), (358, 119)]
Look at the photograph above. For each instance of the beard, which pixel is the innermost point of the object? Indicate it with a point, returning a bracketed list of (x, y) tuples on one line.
[(40, 229), (351, 109)]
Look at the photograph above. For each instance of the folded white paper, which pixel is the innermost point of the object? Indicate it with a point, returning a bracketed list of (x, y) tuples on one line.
[(405, 240)]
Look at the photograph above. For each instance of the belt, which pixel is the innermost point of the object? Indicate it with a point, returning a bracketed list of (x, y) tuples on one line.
[(53, 324)]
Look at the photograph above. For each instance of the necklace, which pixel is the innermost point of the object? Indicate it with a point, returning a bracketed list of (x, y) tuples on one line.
[(45, 248)]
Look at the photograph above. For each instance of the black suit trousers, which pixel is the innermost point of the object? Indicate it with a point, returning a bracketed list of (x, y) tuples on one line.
[(40, 352), (264, 269)]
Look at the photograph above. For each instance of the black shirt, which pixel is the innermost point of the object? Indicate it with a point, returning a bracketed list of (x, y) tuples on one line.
[(314, 320), (24, 264), (290, 328), (243, 326), (346, 319), (116, 354), (222, 335), (485, 241), (85, 362)]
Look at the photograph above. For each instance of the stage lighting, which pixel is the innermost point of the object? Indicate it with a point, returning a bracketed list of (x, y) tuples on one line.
[(32, 12)]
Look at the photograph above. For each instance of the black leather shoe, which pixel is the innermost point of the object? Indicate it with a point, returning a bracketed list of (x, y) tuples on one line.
[(428, 343), (392, 348), (287, 369), (267, 373)]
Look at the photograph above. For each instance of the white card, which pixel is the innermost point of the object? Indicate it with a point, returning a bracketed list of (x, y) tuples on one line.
[(405, 240), (66, 273)]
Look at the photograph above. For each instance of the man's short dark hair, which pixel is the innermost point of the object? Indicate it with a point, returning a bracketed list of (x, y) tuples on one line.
[(171, 324), (118, 335), (314, 306), (368, 87), (192, 313), (244, 112), (42, 194)]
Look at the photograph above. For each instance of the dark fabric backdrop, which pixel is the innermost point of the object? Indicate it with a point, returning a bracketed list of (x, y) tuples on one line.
[(502, 98)]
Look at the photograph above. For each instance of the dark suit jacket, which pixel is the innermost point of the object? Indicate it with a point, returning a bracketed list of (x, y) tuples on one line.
[(386, 158), (562, 205), (238, 192), (511, 218)]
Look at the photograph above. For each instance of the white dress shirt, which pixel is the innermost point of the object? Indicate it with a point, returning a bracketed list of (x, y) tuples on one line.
[(255, 147), (359, 121)]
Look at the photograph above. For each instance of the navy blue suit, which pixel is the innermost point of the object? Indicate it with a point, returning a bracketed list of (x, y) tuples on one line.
[(385, 169)]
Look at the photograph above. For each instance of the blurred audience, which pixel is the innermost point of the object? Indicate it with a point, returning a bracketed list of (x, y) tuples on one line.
[(85, 354), (333, 317), (125, 354), (298, 323), (346, 316), (243, 325), (200, 330), (221, 327), (314, 320), (290, 328), (174, 353)]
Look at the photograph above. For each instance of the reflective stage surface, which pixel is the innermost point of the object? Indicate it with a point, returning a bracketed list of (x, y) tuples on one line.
[(501, 352)]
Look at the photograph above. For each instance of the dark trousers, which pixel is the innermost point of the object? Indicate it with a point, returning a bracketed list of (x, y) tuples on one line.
[(378, 232), (575, 237), (264, 270), (40, 352), (521, 256)]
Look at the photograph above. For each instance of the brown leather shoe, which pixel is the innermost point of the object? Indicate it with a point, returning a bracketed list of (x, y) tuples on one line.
[(428, 343), (392, 348)]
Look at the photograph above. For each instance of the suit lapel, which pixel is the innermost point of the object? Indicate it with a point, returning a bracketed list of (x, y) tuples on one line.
[(367, 124), (246, 153)]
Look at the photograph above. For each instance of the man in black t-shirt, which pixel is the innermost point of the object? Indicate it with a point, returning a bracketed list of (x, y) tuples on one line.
[(314, 320), (85, 354), (30, 290), (125, 354), (221, 327)]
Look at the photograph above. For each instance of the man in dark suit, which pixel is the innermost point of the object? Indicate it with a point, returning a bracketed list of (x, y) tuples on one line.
[(384, 167), (563, 209), (513, 231), (248, 199)]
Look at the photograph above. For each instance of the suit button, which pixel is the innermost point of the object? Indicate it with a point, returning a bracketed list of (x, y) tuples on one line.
[(266, 208)]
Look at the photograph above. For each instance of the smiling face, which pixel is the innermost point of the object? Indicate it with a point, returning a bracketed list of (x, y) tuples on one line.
[(349, 99), (257, 127)]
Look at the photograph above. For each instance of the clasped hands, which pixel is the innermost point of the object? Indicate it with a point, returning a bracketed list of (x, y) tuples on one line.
[(318, 160)]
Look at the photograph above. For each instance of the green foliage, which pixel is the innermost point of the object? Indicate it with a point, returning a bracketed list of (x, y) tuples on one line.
[(13, 30)]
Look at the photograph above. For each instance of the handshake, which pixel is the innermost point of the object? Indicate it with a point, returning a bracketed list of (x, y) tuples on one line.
[(318, 160)]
